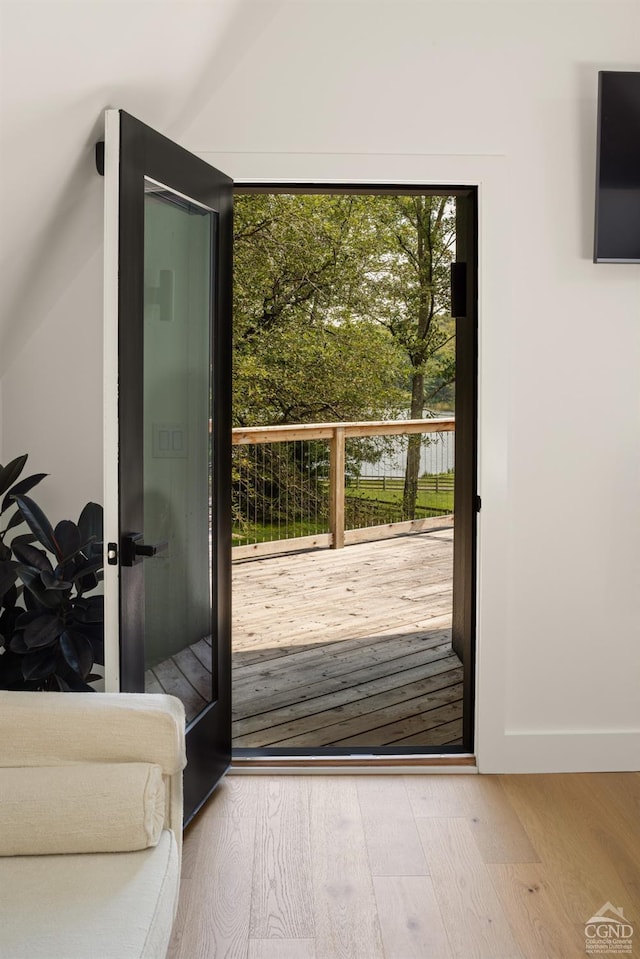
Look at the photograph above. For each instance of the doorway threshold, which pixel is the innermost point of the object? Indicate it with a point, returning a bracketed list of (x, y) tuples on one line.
[(371, 765)]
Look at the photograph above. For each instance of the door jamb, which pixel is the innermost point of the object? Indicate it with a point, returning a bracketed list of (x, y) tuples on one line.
[(110, 495), (464, 627)]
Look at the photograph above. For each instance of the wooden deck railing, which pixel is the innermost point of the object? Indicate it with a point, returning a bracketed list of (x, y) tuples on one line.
[(336, 434)]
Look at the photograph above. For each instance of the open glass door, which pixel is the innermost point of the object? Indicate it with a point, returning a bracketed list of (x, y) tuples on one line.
[(167, 513)]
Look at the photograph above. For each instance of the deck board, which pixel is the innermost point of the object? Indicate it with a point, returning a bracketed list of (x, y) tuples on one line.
[(338, 648), (347, 647)]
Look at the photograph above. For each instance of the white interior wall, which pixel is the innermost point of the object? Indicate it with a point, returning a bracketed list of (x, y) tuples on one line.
[(503, 93)]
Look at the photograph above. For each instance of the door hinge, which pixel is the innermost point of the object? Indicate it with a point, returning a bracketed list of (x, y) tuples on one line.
[(478, 504), (100, 157), (112, 554)]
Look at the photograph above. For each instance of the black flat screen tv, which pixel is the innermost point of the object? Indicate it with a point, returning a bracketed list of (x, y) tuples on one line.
[(617, 235)]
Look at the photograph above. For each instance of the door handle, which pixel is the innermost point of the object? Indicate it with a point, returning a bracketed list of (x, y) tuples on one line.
[(133, 550)]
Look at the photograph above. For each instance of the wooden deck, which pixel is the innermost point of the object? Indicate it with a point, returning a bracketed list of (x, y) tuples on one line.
[(340, 648), (347, 647)]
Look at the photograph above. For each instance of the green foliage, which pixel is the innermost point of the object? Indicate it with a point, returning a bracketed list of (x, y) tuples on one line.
[(305, 348), (341, 306), (313, 372), (341, 312), (416, 244), (440, 374), (275, 484)]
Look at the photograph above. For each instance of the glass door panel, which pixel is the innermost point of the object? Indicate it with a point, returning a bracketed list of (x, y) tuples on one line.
[(179, 238)]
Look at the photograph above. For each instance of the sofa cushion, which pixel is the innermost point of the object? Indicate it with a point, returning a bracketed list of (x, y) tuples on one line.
[(93, 906), (84, 808), (102, 727)]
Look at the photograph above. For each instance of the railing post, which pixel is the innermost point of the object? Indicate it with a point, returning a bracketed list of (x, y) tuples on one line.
[(336, 487)]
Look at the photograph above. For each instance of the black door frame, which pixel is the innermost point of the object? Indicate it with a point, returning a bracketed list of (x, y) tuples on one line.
[(467, 501), (146, 153)]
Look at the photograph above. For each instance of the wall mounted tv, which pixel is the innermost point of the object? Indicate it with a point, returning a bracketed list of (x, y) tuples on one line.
[(617, 237)]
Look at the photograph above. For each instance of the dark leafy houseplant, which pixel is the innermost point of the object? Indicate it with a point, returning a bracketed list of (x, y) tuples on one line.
[(51, 629)]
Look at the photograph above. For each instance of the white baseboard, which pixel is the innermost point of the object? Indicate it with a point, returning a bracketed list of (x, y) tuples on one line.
[(562, 751)]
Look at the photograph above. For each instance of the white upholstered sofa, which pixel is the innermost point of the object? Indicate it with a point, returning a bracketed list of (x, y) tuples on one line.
[(90, 824)]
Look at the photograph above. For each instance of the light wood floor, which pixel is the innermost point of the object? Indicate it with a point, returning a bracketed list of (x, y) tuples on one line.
[(347, 647), (414, 867)]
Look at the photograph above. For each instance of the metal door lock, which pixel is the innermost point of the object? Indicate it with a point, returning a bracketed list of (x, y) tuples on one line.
[(133, 550)]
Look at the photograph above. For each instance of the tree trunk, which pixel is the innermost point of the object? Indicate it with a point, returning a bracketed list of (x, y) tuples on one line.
[(412, 470), (424, 264)]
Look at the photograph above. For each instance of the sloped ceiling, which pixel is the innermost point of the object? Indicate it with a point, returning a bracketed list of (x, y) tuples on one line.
[(61, 64), (238, 76)]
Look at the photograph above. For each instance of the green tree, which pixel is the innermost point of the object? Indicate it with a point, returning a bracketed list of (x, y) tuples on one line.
[(416, 236), (341, 310), (305, 348)]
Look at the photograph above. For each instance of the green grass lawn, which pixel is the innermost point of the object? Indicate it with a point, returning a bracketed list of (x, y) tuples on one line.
[(427, 498), (368, 493), (272, 532)]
